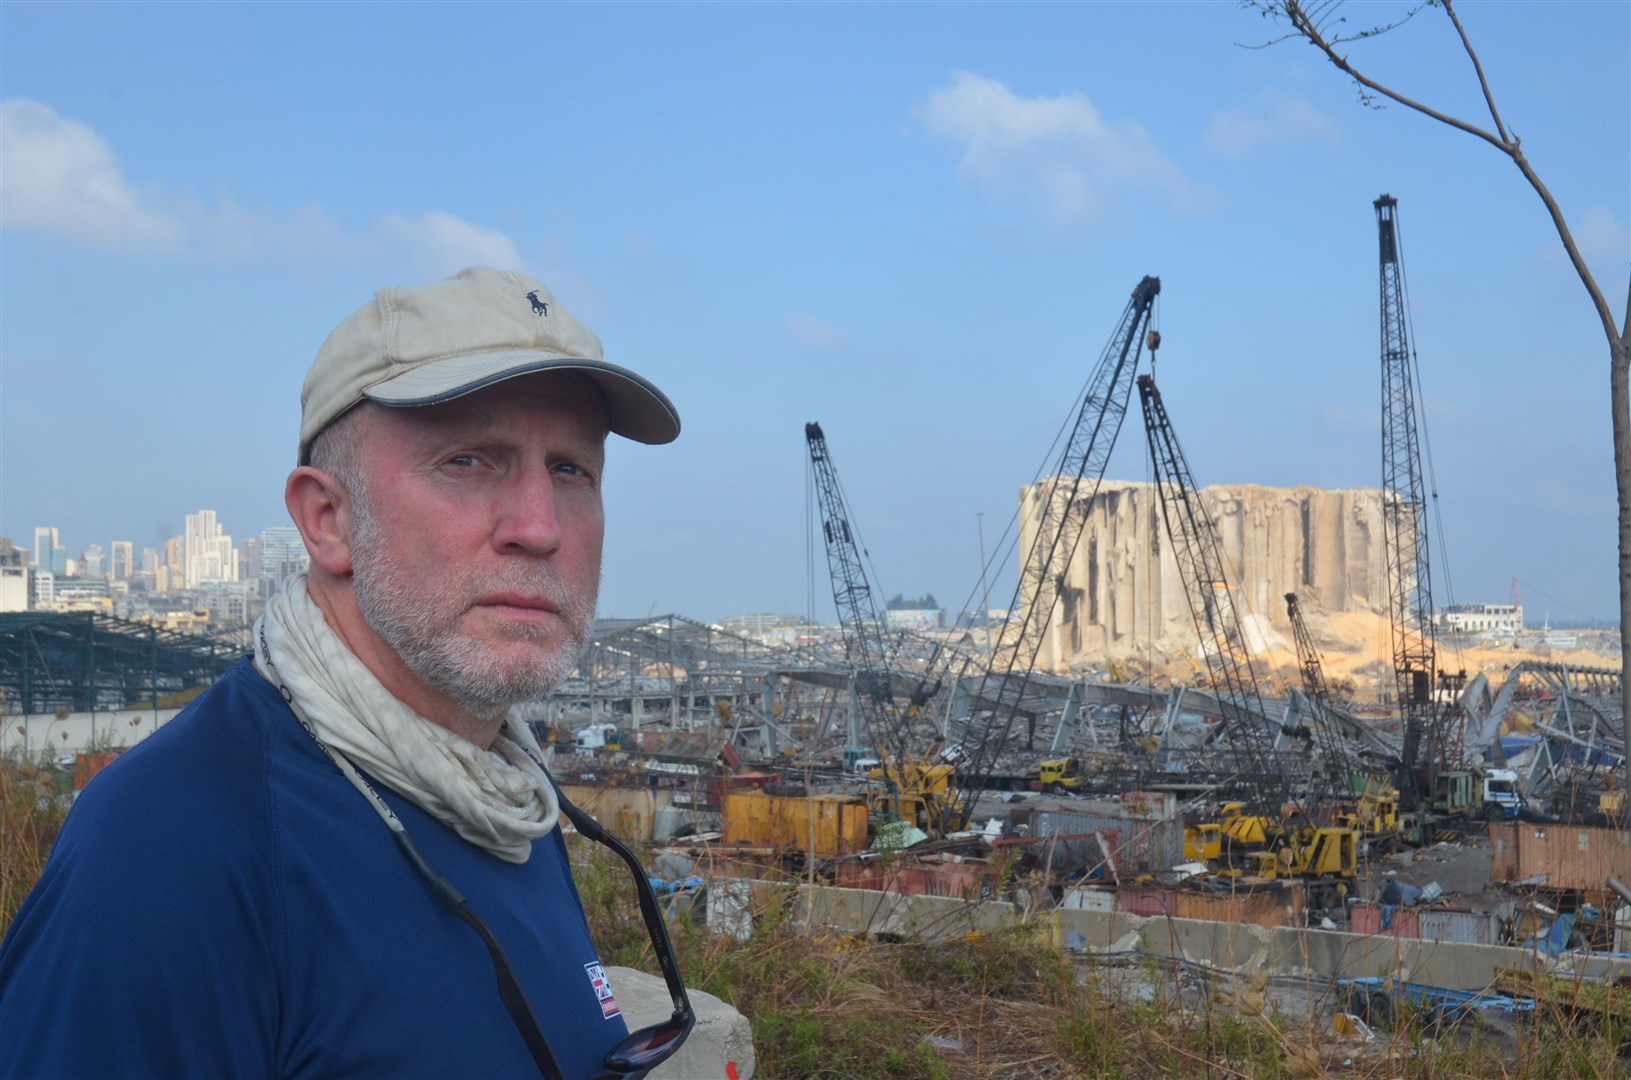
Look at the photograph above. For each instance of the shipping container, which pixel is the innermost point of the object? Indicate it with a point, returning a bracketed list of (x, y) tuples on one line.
[(1270, 904), (1055, 855), (1142, 846), (965, 879), (1459, 927), (1559, 856), (1267, 904), (1088, 898), (1367, 919), (824, 825), (629, 813)]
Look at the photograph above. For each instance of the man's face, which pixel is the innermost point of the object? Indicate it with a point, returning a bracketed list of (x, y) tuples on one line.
[(476, 536)]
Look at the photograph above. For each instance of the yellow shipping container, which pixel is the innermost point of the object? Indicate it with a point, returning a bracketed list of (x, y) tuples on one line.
[(821, 824)]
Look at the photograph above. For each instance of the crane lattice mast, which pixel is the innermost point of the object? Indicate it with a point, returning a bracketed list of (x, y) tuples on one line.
[(1333, 746), (1062, 514), (1199, 555), (862, 623), (1404, 527)]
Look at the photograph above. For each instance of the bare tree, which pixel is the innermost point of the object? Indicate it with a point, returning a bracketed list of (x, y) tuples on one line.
[(1321, 24)]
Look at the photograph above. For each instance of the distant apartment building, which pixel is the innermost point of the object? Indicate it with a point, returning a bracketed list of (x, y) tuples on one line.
[(230, 603), (174, 550), (249, 559), (13, 588), (44, 585), (122, 562), (91, 562), (282, 554), (80, 594), (207, 555), (1482, 618)]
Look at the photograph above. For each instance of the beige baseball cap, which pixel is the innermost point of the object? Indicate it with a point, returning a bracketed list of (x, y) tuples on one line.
[(424, 344)]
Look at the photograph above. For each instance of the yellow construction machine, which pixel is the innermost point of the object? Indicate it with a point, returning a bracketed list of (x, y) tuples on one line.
[(1239, 844), (915, 793)]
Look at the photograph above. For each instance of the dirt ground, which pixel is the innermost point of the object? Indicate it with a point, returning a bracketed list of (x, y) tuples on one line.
[(1356, 655), (1461, 868)]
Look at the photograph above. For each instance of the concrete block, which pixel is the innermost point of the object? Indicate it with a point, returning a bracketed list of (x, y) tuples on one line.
[(720, 1046)]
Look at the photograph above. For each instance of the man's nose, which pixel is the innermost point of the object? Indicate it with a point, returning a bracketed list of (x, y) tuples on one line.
[(526, 515)]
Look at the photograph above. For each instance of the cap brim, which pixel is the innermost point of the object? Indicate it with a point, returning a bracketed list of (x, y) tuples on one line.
[(635, 408)]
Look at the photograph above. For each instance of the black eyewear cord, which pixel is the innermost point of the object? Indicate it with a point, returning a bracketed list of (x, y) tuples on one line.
[(640, 1051)]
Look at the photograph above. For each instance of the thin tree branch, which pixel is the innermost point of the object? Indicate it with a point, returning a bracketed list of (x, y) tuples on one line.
[(1311, 33), (1483, 84), (1598, 300)]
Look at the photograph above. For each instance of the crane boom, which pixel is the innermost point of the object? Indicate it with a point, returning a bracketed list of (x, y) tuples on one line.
[(1404, 524), (858, 615), (1062, 514), (1199, 556)]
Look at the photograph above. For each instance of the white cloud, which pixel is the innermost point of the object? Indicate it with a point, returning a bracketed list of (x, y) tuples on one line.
[(809, 332), (1272, 118), (57, 175), (442, 244), (1059, 153)]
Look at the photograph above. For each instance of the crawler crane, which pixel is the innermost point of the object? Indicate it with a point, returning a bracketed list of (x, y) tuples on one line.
[(1431, 731), (979, 739), (1264, 833), (1342, 794), (912, 789)]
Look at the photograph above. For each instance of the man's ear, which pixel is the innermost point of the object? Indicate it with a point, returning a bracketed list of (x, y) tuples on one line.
[(321, 510)]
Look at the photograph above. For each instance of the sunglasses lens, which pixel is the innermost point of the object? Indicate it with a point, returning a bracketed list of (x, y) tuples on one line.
[(647, 1046)]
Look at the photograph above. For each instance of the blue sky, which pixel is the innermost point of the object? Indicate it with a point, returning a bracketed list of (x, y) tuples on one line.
[(915, 223)]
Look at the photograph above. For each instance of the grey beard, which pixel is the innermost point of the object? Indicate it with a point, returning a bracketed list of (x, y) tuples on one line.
[(461, 668)]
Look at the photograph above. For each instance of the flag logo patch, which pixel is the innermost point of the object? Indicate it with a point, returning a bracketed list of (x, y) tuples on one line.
[(603, 989)]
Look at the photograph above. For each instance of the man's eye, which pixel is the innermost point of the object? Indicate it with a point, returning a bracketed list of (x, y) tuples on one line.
[(464, 461)]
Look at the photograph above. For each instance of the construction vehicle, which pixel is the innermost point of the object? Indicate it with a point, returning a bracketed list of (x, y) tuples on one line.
[(1463, 793), (981, 731), (1362, 798), (1267, 834), (876, 716), (1432, 740), (914, 792), (1060, 775)]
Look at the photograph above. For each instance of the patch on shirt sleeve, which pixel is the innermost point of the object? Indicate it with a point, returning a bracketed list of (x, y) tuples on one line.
[(603, 989)]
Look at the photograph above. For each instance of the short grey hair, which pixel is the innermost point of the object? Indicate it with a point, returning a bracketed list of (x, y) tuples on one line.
[(337, 449)]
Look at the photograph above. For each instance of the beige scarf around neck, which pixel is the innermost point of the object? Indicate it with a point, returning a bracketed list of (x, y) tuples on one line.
[(498, 799)]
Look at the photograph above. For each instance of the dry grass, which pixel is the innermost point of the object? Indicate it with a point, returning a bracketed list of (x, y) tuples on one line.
[(33, 803), (1007, 1006)]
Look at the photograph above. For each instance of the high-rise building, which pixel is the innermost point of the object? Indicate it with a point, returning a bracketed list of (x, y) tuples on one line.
[(123, 560), (150, 561), (250, 562), (11, 554), (282, 555), (207, 552), (49, 553), (91, 563)]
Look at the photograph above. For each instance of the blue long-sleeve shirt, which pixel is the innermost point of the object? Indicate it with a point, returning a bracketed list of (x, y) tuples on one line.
[(222, 902)]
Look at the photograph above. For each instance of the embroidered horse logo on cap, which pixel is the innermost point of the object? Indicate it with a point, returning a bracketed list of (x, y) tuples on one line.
[(539, 308)]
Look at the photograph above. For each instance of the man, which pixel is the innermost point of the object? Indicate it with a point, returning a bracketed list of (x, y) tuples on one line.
[(271, 884)]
